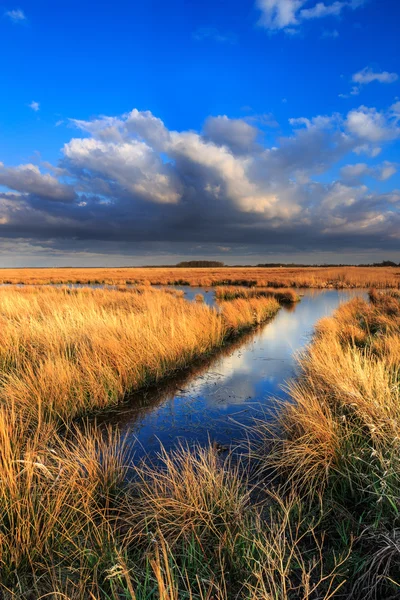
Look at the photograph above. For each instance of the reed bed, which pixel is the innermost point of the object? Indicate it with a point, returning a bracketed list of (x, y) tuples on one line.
[(337, 443), (65, 352), (70, 524), (283, 296), (298, 277), (320, 520), (72, 528)]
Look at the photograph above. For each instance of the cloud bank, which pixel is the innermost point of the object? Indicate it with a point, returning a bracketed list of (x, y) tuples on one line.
[(129, 180)]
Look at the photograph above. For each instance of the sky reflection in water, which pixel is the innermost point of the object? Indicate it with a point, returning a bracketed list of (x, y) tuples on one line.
[(221, 395)]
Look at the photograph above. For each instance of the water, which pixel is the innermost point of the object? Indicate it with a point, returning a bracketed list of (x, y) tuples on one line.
[(189, 291), (208, 293), (219, 396)]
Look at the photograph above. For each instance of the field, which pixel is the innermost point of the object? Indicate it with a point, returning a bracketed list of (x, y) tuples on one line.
[(66, 352), (310, 511), (308, 277)]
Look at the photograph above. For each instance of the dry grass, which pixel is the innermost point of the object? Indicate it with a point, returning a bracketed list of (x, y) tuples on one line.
[(71, 526), (65, 352), (349, 382), (308, 277), (283, 296), (68, 523), (195, 525), (340, 437)]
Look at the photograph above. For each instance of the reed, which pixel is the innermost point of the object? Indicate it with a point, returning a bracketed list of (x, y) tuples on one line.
[(337, 442), (70, 524), (195, 524), (283, 296), (281, 277), (65, 352)]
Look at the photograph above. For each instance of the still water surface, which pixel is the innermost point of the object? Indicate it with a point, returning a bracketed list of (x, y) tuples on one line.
[(221, 395)]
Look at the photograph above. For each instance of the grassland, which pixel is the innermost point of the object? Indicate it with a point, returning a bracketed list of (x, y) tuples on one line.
[(309, 277), (67, 352), (311, 513), (337, 443)]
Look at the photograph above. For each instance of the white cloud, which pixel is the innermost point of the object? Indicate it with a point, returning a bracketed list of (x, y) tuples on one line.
[(16, 15), (323, 10), (371, 125), (387, 170), (133, 165), (35, 106), (287, 15), (354, 171), (279, 14), (370, 150), (367, 75)]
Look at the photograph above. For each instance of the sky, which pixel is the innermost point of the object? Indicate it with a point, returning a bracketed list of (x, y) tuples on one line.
[(139, 133)]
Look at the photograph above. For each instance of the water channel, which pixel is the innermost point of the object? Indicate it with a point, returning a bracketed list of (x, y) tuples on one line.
[(219, 397)]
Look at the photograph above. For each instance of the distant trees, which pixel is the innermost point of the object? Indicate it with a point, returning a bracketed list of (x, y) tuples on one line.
[(200, 263), (385, 263)]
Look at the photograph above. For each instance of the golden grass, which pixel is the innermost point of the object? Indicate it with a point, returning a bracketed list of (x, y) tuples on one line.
[(349, 382), (309, 277), (337, 442), (64, 352), (193, 497), (70, 525), (283, 296), (196, 525)]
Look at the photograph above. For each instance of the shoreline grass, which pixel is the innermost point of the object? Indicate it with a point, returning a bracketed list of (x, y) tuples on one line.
[(337, 443), (283, 296), (70, 524), (67, 352), (197, 525)]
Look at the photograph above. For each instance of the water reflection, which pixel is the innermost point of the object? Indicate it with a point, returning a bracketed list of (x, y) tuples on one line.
[(218, 397)]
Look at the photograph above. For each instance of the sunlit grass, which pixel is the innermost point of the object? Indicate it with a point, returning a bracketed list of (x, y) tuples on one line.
[(283, 296), (320, 519), (308, 277), (65, 352), (337, 442)]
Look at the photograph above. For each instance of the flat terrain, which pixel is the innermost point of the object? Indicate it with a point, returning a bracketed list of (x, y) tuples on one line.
[(313, 277), (310, 511)]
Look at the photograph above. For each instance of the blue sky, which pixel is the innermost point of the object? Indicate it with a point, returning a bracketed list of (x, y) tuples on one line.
[(139, 133)]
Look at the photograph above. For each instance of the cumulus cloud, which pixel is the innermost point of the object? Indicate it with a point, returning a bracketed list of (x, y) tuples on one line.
[(28, 178), (372, 125), (130, 180), (237, 134), (288, 15), (35, 106), (355, 173)]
